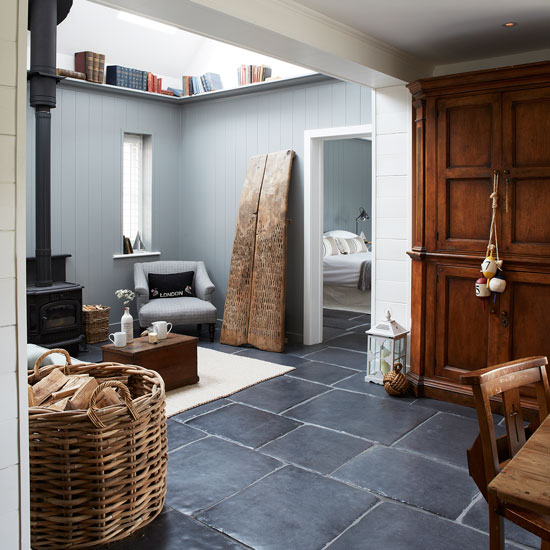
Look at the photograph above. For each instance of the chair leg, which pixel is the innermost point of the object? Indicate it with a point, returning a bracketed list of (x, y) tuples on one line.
[(496, 525), (212, 331)]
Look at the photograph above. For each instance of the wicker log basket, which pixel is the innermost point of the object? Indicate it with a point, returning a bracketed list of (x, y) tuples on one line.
[(96, 323), (97, 475)]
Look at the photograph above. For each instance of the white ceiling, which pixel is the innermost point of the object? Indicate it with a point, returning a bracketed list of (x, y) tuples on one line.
[(446, 31)]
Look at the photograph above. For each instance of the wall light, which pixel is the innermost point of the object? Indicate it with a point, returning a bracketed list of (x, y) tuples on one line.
[(510, 24), (145, 22)]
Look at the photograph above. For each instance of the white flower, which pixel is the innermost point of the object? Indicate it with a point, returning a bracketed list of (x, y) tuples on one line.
[(125, 294)]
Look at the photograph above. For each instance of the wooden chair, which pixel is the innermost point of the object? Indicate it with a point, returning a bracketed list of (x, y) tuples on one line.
[(489, 454)]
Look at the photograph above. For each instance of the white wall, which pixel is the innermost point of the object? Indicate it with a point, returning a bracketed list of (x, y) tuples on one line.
[(13, 388), (393, 205)]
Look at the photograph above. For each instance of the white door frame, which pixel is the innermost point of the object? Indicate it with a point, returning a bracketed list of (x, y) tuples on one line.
[(313, 223)]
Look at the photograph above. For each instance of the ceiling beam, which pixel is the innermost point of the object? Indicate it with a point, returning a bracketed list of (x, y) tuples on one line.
[(288, 31)]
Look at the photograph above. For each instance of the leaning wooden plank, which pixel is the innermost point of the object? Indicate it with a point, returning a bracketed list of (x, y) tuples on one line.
[(266, 328), (49, 384), (81, 399), (237, 299), (70, 388), (31, 396)]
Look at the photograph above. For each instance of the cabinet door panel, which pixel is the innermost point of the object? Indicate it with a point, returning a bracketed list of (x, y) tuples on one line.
[(526, 164), (468, 150), (461, 323), (528, 310)]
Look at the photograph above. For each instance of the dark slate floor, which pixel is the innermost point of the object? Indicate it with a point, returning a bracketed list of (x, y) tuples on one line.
[(320, 459)]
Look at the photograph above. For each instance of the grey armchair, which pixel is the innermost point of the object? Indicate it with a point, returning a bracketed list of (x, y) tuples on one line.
[(178, 311)]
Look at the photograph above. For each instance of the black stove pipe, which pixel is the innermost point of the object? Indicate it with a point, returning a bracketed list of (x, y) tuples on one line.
[(44, 16)]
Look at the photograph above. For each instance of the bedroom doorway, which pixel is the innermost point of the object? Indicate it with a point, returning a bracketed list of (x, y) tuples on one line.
[(349, 214)]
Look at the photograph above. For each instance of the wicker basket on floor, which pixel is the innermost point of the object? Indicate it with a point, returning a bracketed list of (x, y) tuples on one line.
[(97, 475), (96, 323)]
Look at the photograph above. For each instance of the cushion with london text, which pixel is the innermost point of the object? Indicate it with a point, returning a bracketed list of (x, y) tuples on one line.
[(171, 285)]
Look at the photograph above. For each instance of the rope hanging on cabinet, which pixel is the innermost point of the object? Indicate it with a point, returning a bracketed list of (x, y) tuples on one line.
[(493, 232)]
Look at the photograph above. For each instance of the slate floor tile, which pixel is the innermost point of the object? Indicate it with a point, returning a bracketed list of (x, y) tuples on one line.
[(478, 517), (351, 340), (304, 511), (341, 357), (179, 434), (243, 424), (278, 394), (443, 436), (174, 531), (395, 527), (362, 328), (301, 350), (357, 383), (382, 420), (337, 322), (330, 332), (315, 448), (451, 408), (440, 488), (322, 373), (201, 409), (208, 470), (339, 314), (279, 358)]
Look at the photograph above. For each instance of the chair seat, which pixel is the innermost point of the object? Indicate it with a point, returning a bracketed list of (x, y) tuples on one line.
[(179, 311)]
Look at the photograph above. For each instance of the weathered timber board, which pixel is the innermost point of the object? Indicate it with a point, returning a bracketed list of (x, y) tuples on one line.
[(267, 304), (237, 299)]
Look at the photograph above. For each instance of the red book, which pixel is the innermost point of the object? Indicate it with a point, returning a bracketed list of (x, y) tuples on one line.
[(159, 85), (149, 82)]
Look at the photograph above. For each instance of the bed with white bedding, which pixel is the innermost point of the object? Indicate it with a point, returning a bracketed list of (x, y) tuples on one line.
[(346, 280)]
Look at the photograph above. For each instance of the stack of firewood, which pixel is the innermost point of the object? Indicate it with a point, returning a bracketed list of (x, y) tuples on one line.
[(61, 392)]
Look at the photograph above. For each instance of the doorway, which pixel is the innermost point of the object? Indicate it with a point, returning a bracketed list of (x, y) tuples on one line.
[(314, 220)]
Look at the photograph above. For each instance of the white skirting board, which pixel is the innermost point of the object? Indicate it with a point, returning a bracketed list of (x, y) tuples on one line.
[(346, 298)]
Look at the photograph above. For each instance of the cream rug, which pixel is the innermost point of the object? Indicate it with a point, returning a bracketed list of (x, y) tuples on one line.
[(220, 375)]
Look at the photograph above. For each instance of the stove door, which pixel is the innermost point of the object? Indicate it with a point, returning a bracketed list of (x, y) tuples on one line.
[(59, 316)]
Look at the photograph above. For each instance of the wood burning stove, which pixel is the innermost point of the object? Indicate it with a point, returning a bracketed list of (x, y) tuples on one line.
[(54, 306)]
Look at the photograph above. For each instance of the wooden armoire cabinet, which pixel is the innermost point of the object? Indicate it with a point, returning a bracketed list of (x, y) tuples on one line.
[(467, 126)]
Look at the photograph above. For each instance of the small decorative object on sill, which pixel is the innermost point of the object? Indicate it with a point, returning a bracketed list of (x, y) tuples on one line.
[(138, 243), (153, 337), (395, 382), (386, 346)]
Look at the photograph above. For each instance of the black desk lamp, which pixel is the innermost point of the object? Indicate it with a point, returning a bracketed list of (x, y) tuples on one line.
[(363, 217)]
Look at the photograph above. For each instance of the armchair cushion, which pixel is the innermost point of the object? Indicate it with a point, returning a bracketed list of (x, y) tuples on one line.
[(171, 285), (179, 311)]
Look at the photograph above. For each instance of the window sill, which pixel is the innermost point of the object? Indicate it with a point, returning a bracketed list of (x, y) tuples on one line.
[(136, 255)]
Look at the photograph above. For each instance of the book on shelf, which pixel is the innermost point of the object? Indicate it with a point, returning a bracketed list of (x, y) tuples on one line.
[(84, 63), (96, 67), (126, 245), (251, 74), (70, 74), (101, 69), (167, 92), (175, 91)]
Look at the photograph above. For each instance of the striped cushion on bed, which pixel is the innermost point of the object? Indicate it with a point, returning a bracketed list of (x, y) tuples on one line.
[(351, 246), (330, 248)]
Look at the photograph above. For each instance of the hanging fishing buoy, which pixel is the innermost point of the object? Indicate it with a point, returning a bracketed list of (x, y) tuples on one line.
[(481, 288), (489, 266), (498, 283)]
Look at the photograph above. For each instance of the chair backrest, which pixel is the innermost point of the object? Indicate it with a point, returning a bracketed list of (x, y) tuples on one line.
[(505, 379), (167, 267)]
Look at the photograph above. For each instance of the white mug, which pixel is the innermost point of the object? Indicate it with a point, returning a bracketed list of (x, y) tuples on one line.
[(118, 339), (162, 329)]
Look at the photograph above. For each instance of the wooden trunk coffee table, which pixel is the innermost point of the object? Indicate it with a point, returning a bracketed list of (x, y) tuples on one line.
[(175, 358)]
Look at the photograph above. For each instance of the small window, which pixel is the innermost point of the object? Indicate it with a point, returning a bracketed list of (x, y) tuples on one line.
[(136, 188)]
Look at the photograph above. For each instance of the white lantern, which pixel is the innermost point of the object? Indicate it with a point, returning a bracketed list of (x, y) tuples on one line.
[(386, 346)]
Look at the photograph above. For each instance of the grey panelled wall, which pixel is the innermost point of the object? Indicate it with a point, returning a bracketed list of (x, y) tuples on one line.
[(87, 129), (200, 154), (219, 136), (347, 184)]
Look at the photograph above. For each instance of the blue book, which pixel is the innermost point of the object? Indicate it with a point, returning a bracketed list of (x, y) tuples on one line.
[(214, 81), (176, 92)]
